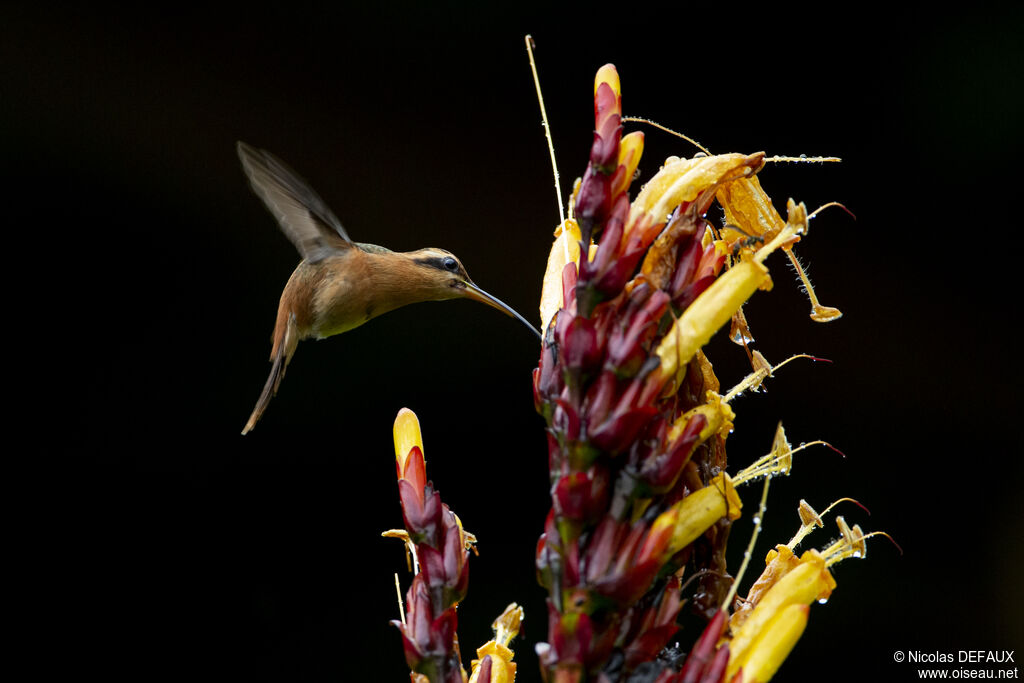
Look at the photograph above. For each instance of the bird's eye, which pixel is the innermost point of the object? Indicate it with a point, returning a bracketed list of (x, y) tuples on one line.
[(451, 265)]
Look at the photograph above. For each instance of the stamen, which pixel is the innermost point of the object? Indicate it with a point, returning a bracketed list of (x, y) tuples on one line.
[(779, 460), (852, 543), (412, 562), (762, 371), (819, 313), (829, 205), (810, 519)]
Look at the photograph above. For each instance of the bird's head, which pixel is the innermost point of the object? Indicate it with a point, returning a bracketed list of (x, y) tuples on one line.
[(447, 274)]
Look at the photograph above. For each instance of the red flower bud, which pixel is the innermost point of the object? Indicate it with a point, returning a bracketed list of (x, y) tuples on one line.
[(578, 344), (619, 431), (661, 472), (690, 252), (626, 343), (421, 511), (703, 659), (582, 495)]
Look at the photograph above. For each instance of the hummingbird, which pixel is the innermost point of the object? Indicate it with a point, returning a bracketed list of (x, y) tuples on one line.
[(341, 284)]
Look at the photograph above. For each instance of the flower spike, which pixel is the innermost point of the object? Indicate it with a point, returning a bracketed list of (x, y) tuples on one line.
[(642, 498), (436, 541), (633, 292)]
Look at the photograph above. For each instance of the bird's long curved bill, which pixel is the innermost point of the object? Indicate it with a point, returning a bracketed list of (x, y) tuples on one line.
[(477, 294)]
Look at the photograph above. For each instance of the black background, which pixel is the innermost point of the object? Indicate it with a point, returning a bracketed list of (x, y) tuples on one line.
[(143, 276)]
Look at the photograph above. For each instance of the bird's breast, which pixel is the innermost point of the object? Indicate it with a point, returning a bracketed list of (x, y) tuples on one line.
[(355, 290), (343, 302)]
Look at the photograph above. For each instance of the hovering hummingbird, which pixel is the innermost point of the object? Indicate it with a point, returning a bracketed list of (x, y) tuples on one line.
[(341, 284)]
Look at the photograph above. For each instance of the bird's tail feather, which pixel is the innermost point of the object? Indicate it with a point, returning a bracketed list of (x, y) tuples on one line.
[(285, 341), (269, 390)]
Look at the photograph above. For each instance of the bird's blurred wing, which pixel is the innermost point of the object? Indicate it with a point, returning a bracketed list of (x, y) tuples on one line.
[(304, 218)]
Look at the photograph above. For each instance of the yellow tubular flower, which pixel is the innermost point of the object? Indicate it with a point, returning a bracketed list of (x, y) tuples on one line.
[(506, 627), (695, 513), (712, 309), (407, 434), (747, 206), (565, 249), (779, 562), (716, 305), (805, 583), (775, 644), (503, 669), (683, 180), (631, 148)]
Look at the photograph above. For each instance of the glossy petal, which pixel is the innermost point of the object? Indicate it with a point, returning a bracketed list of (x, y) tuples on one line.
[(775, 644), (684, 180), (699, 510), (407, 435)]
